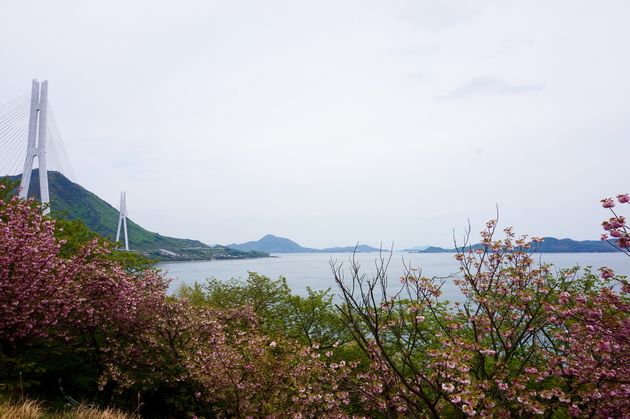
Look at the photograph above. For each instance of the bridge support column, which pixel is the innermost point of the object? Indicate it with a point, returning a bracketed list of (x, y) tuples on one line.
[(122, 219), (37, 147), (42, 147), (31, 148)]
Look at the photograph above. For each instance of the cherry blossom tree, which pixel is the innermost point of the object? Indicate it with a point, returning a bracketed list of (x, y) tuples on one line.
[(525, 340), (68, 305), (35, 285)]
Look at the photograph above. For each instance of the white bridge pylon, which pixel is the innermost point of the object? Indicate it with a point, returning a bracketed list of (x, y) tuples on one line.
[(36, 146), (122, 219)]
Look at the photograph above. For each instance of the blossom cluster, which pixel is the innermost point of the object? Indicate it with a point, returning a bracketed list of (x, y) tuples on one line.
[(615, 227)]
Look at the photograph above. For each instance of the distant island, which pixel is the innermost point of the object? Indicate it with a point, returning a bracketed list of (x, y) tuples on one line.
[(549, 245), (275, 244)]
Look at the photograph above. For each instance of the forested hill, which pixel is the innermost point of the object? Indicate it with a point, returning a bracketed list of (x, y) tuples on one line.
[(71, 201)]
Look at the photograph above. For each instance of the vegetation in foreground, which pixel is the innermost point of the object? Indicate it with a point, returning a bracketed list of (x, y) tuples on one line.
[(29, 409), (80, 325)]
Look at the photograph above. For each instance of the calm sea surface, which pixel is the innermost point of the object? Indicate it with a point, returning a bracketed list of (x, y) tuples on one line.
[(313, 269)]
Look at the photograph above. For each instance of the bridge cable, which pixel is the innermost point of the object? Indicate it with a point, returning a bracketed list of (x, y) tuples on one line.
[(5, 130), (58, 154), (12, 161), (13, 139), (16, 99), (19, 101), (13, 136), (4, 113)]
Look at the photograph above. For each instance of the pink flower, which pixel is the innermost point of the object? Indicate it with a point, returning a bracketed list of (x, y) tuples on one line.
[(623, 198), (608, 203), (617, 222), (502, 385), (468, 410), (607, 273), (449, 388)]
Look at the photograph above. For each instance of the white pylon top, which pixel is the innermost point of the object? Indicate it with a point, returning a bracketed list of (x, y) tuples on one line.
[(36, 145), (122, 219)]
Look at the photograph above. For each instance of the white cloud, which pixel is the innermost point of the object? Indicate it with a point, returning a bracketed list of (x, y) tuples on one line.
[(489, 85)]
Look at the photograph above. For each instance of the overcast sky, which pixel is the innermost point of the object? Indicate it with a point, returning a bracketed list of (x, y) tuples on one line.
[(336, 122)]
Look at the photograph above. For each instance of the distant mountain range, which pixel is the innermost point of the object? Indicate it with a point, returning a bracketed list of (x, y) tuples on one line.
[(549, 245), (71, 201), (274, 244)]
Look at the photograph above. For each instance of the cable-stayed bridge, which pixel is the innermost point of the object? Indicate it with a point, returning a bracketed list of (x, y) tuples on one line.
[(29, 134), (30, 138), (30, 141)]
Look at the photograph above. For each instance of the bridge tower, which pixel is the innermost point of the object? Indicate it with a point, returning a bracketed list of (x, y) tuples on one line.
[(36, 147), (122, 219)]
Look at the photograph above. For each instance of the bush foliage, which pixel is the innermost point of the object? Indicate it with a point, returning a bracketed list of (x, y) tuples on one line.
[(82, 323)]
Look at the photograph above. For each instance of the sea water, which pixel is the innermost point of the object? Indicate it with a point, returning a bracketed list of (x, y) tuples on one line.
[(314, 270)]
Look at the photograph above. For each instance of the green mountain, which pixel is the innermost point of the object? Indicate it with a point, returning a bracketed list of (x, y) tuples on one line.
[(71, 201)]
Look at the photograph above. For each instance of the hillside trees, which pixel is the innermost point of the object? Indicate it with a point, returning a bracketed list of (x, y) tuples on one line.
[(311, 319)]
